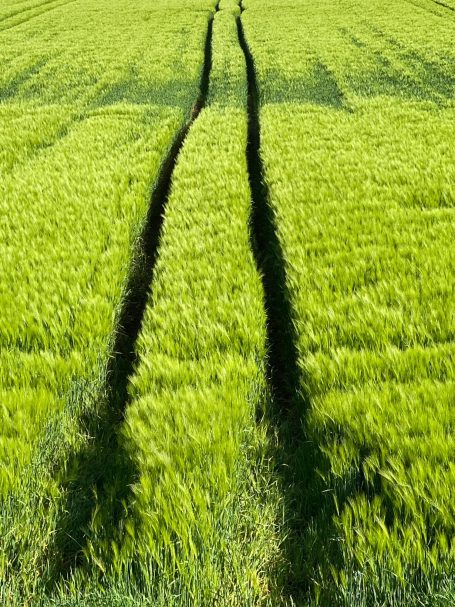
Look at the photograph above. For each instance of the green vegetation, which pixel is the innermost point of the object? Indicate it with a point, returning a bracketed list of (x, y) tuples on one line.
[(190, 443), (58, 317), (86, 54), (337, 54), (189, 468), (77, 172), (370, 293), (227, 361), (359, 168), (89, 166)]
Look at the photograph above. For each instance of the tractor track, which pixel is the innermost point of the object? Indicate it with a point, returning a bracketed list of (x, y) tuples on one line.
[(95, 463)]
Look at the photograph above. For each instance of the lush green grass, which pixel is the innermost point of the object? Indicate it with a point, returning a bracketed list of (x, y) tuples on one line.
[(182, 481), (59, 317), (76, 180), (370, 284), (85, 53), (60, 294), (179, 506), (332, 53), (359, 168), (438, 7), (198, 526), (24, 134), (75, 189)]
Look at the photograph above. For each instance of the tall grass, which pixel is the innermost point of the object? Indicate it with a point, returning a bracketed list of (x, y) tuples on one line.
[(363, 202), (75, 191), (199, 524)]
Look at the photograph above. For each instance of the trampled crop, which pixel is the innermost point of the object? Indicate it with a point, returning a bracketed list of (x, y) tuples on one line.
[(227, 361)]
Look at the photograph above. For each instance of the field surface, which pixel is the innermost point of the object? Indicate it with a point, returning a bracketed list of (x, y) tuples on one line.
[(227, 286)]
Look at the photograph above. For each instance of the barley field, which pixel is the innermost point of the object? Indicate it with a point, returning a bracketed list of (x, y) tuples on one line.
[(227, 303)]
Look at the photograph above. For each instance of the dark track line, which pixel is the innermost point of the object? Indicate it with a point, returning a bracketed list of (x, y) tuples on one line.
[(269, 256), (141, 279), (285, 408), (103, 463), (450, 8), (296, 457), (429, 9), (13, 88), (282, 354)]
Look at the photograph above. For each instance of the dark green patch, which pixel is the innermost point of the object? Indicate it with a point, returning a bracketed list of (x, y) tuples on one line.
[(12, 89), (319, 87), (426, 82), (179, 93)]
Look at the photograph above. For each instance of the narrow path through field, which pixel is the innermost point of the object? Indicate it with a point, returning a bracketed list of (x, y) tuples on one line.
[(283, 371), (268, 253), (103, 464), (141, 278), (296, 458)]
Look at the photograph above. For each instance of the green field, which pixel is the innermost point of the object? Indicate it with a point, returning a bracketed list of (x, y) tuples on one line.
[(227, 286)]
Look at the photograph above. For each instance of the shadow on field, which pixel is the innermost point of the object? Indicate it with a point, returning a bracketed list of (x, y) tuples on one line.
[(100, 477), (12, 89), (318, 87), (309, 510), (423, 79), (312, 494)]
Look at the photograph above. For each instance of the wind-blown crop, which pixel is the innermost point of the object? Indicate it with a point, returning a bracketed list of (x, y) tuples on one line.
[(75, 189), (277, 428), (180, 515), (195, 527), (359, 168)]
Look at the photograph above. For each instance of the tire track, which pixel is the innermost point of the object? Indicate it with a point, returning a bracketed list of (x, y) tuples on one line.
[(296, 458), (282, 337), (427, 8), (444, 5), (95, 463)]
